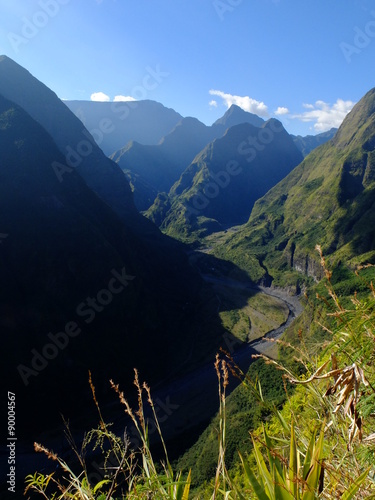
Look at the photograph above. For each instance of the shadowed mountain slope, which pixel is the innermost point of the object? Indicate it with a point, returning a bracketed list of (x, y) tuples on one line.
[(77, 146), (79, 290)]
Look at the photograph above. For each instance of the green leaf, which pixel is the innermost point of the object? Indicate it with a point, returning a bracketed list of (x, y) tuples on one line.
[(262, 469), (293, 464), (281, 490), (274, 461), (185, 496), (100, 484), (352, 490), (257, 487), (308, 457), (312, 481), (282, 421), (260, 391), (182, 487)]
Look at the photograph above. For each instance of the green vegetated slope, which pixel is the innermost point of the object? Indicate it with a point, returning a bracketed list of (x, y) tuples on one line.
[(316, 336), (244, 412), (328, 200), (222, 184), (304, 430)]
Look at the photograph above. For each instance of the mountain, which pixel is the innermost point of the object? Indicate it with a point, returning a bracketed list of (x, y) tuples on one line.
[(309, 142), (160, 166), (157, 167), (79, 290), (329, 199), (62, 245), (236, 115), (221, 185), (78, 147), (144, 193), (114, 124)]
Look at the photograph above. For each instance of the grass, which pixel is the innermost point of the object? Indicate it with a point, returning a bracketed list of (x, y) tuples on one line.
[(260, 314)]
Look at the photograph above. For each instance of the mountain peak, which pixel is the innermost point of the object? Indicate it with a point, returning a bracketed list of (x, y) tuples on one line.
[(11, 65), (236, 115), (3, 57), (359, 123)]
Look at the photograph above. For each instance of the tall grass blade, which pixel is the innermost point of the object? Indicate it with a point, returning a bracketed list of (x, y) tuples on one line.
[(254, 483), (313, 478), (262, 469), (293, 464), (308, 458), (352, 490), (281, 490), (273, 461)]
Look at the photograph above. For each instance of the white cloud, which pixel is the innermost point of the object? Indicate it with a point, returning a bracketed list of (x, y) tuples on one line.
[(244, 102), (213, 103), (281, 111), (100, 96), (120, 98), (325, 115)]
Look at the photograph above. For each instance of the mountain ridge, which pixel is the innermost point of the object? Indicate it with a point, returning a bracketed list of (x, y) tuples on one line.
[(327, 200), (160, 166), (78, 147), (145, 121), (235, 115), (66, 258), (309, 142), (220, 186)]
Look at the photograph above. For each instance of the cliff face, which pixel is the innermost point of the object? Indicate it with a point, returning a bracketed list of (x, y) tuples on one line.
[(307, 265)]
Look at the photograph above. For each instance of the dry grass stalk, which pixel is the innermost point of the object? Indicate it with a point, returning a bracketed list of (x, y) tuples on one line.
[(41, 449)]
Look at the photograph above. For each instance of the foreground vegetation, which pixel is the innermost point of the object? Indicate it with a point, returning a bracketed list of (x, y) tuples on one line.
[(312, 430)]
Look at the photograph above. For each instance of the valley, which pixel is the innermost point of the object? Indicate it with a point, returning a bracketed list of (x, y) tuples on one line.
[(160, 242)]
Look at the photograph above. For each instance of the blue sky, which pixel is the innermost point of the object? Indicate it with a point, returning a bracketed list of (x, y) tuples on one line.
[(305, 61)]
